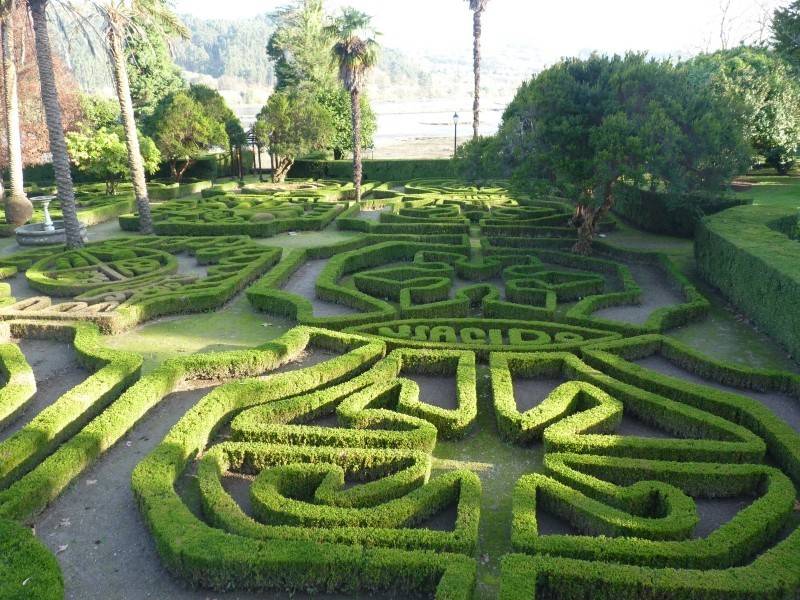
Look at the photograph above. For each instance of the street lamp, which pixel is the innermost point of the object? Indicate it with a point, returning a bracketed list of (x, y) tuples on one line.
[(455, 133)]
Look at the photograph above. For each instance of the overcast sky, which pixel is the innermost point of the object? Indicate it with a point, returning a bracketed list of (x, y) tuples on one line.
[(554, 29)]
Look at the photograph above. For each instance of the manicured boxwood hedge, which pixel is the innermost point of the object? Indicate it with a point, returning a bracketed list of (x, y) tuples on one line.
[(669, 214), (297, 551), (374, 170), (752, 256)]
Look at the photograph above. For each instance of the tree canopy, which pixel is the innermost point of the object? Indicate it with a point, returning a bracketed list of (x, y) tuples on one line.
[(183, 132), (292, 125), (103, 154), (582, 127), (766, 94), (786, 33), (218, 110), (151, 70)]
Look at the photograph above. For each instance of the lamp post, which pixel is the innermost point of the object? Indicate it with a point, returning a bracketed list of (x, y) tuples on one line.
[(455, 133)]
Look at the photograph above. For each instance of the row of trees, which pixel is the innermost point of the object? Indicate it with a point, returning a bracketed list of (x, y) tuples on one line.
[(178, 124), (319, 102), (122, 22)]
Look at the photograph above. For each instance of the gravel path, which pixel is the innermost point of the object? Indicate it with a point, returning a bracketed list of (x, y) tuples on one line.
[(56, 370), (372, 215), (436, 390), (786, 407), (531, 392), (188, 265), (303, 283), (656, 293)]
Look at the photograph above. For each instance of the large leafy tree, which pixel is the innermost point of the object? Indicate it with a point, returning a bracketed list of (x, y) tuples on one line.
[(356, 52), (336, 101), (55, 124), (300, 46), (292, 124), (128, 21), (300, 50), (103, 154), (767, 94), (219, 111), (477, 7), (183, 132), (586, 126), (18, 209)]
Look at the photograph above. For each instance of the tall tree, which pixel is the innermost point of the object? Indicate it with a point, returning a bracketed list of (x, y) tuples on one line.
[(33, 128), (151, 69), (127, 20), (585, 127), (55, 127), (477, 7), (292, 124), (300, 50), (786, 33), (219, 111), (766, 93), (183, 132), (356, 52), (300, 47), (18, 208)]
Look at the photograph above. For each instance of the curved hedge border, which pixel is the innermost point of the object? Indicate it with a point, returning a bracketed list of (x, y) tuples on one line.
[(145, 284), (298, 551)]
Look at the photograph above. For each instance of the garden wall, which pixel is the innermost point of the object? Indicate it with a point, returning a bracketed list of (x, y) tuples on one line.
[(374, 170), (668, 214), (752, 254)]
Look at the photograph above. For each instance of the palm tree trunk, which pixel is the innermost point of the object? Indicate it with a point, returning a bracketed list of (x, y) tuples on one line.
[(55, 127), (18, 208), (355, 102), (135, 162), (476, 68)]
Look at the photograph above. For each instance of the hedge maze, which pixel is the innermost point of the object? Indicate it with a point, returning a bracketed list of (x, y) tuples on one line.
[(360, 452)]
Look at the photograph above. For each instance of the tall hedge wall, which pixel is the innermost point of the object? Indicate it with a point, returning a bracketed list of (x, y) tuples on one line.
[(374, 170), (668, 214), (752, 255)]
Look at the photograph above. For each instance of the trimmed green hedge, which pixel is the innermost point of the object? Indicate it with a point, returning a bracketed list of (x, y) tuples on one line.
[(668, 214), (752, 256), (297, 552), (374, 170)]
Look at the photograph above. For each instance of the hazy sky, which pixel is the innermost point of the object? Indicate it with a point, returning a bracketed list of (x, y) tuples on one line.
[(553, 29)]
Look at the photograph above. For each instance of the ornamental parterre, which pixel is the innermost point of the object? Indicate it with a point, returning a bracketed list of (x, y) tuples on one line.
[(464, 408)]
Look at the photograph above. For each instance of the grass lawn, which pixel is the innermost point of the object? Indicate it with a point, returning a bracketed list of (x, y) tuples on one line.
[(773, 190)]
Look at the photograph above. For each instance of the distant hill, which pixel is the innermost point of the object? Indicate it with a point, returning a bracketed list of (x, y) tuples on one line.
[(230, 55)]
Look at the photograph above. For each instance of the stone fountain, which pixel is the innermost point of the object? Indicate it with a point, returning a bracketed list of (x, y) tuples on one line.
[(48, 232)]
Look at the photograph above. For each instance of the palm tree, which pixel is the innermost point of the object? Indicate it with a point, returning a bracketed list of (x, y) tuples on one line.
[(477, 7), (356, 52), (18, 208), (125, 20), (55, 128)]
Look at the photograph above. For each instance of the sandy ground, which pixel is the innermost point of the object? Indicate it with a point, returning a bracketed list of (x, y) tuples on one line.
[(530, 393), (417, 147)]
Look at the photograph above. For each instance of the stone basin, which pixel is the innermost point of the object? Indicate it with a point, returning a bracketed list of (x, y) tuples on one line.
[(34, 234)]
